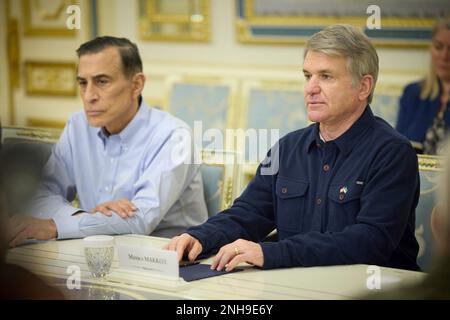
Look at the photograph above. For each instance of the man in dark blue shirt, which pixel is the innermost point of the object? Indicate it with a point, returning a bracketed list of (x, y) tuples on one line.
[(341, 191)]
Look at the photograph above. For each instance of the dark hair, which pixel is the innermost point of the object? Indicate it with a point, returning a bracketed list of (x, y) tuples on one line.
[(129, 53)]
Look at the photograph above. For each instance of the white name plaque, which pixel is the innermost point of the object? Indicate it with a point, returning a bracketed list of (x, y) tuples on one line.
[(152, 261)]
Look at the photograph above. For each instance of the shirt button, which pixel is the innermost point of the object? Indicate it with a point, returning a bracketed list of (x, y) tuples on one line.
[(106, 188), (284, 190), (318, 201), (326, 168), (341, 197)]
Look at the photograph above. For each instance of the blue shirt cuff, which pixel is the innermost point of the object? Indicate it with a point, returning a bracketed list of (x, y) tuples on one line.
[(67, 226)]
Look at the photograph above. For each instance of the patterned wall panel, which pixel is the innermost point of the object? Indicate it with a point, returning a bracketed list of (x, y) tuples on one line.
[(268, 106), (204, 105), (385, 103), (220, 173)]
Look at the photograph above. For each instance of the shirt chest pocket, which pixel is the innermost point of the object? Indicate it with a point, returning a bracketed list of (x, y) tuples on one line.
[(344, 204), (291, 204)]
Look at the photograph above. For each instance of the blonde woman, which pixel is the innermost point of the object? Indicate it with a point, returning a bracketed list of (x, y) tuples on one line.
[(424, 116)]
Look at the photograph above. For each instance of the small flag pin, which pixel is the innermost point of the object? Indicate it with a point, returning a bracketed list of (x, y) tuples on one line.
[(343, 190)]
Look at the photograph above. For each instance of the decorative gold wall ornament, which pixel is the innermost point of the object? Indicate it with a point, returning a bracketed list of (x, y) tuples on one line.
[(50, 78), (48, 14), (46, 17), (174, 20)]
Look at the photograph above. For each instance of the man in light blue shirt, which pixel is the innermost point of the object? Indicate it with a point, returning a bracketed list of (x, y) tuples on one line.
[(132, 167)]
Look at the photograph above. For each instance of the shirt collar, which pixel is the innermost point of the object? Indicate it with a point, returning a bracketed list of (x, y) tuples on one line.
[(132, 127), (313, 139), (349, 138)]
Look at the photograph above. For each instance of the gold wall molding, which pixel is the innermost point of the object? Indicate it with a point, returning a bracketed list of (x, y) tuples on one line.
[(45, 123), (14, 54)]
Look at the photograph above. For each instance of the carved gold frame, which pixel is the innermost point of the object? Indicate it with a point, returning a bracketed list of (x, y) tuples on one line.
[(198, 24), (53, 86), (32, 30), (230, 185), (251, 28)]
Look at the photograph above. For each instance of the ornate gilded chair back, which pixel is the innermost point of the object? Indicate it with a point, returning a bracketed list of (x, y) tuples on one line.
[(24, 153), (220, 174), (430, 168), (41, 139)]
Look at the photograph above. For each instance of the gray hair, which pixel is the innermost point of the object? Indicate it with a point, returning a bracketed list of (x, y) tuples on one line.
[(344, 40)]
